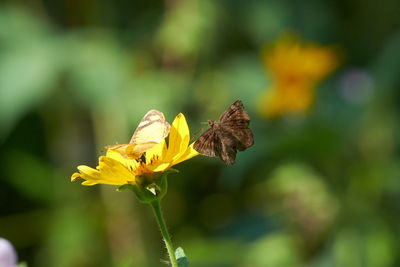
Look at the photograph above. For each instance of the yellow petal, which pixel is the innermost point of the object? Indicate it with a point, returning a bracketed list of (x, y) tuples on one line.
[(115, 172), (158, 151), (87, 171), (131, 150), (189, 153), (162, 166), (178, 138), (131, 164), (88, 183), (75, 177), (178, 149), (115, 155), (120, 148), (109, 171)]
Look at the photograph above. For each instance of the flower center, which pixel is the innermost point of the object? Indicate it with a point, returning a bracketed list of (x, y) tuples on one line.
[(143, 167)]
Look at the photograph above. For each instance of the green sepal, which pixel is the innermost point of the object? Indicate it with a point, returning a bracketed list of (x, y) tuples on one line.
[(181, 258), (149, 188)]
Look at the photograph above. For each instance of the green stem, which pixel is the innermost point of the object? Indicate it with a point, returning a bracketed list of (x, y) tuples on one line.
[(164, 232)]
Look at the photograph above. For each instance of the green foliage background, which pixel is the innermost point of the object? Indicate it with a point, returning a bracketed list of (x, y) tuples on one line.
[(317, 190)]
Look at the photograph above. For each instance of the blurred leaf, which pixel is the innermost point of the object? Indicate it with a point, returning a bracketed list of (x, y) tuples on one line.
[(214, 252), (75, 235), (126, 263), (212, 94), (274, 250), (380, 247), (193, 19), (161, 90), (304, 198), (32, 176), (19, 25), (29, 65), (264, 20), (370, 245), (100, 70), (245, 79), (387, 63)]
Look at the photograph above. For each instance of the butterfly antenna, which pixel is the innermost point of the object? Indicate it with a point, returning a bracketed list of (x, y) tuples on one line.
[(197, 132), (194, 136)]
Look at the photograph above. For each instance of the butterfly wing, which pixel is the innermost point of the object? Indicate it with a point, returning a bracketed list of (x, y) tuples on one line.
[(120, 148), (229, 134), (243, 138), (217, 142), (234, 122), (235, 116), (228, 146), (152, 129), (131, 150), (208, 144)]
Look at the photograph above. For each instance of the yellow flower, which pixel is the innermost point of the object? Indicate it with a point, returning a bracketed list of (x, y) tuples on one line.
[(295, 68), (114, 169)]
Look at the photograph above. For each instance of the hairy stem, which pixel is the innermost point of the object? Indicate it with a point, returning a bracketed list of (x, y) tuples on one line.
[(164, 232)]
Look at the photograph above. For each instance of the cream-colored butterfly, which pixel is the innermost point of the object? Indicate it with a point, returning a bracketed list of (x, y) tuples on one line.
[(151, 130)]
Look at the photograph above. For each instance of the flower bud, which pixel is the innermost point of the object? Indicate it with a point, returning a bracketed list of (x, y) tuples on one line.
[(8, 255)]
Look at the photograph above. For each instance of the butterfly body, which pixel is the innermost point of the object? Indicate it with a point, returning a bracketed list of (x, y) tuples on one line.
[(227, 135)]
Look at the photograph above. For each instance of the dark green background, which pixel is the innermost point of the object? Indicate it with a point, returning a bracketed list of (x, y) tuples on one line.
[(321, 189)]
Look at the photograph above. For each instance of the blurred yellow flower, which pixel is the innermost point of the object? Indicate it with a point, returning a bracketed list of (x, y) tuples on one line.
[(295, 68), (115, 169)]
